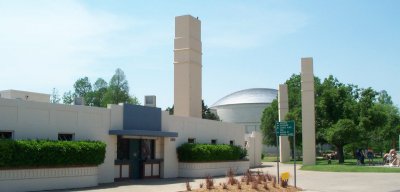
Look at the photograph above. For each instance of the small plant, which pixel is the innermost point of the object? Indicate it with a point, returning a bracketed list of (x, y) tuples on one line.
[(260, 179), (249, 177), (188, 187), (269, 177), (236, 181), (224, 186), (254, 185), (231, 177), (266, 186), (274, 182), (239, 186), (243, 178), (284, 183), (201, 185), (209, 182)]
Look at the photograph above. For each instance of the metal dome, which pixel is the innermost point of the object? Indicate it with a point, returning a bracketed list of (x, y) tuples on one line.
[(255, 95)]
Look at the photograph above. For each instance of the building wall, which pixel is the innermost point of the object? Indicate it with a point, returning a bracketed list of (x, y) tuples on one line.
[(36, 120), (21, 180), (249, 115), (25, 95), (202, 130)]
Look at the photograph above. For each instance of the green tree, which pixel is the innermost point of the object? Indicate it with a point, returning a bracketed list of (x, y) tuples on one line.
[(342, 133), (82, 87), (68, 98), (384, 98), (99, 91), (118, 90), (55, 97), (207, 114), (373, 114), (269, 117), (335, 101)]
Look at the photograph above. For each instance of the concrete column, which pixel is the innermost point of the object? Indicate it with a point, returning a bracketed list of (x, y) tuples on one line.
[(283, 106), (308, 110), (187, 67), (170, 165)]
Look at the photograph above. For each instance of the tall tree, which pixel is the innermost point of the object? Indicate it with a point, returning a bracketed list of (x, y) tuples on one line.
[(207, 114), (269, 117), (68, 98), (384, 98), (55, 97), (82, 87), (99, 91), (342, 133), (118, 90)]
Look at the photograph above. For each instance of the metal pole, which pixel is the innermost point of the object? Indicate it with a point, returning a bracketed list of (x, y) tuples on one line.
[(294, 151)]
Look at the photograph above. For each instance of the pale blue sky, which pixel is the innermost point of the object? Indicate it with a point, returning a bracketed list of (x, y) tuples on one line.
[(246, 44)]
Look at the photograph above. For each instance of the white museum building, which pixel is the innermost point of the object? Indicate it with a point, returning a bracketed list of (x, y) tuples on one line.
[(124, 128)]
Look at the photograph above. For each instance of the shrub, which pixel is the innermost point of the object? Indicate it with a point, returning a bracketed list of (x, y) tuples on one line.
[(190, 152), (46, 153)]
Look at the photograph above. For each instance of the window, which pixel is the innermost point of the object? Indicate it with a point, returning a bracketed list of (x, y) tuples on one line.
[(65, 136), (191, 140), (213, 141), (122, 148), (6, 134), (232, 142)]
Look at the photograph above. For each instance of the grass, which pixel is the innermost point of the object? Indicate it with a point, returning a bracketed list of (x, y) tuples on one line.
[(269, 159), (349, 165)]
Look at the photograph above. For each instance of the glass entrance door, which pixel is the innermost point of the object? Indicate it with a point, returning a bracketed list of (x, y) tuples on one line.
[(135, 158)]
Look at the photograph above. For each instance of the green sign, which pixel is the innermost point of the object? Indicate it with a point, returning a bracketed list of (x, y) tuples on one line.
[(284, 128)]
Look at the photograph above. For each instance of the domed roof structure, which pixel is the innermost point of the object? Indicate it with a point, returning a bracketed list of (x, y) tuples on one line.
[(248, 96)]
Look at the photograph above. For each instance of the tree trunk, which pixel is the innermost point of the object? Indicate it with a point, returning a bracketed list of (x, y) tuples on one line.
[(394, 143), (340, 154)]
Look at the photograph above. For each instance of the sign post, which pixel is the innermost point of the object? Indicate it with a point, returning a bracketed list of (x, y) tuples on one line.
[(286, 128)]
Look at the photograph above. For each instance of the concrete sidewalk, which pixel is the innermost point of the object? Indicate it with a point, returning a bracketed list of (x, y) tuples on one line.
[(307, 180), (339, 181)]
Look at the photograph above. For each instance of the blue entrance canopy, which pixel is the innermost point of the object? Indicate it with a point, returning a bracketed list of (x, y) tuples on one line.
[(143, 133)]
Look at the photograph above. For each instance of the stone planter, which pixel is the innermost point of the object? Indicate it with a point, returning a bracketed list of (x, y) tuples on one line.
[(202, 169), (15, 180)]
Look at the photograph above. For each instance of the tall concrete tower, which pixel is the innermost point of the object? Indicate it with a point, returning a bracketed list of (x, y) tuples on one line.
[(308, 110), (187, 67), (283, 107)]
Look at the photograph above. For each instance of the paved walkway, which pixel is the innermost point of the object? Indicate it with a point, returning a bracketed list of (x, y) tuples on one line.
[(308, 180)]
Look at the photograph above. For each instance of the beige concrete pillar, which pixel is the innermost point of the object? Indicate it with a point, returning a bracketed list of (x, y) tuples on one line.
[(308, 111), (283, 106), (187, 67)]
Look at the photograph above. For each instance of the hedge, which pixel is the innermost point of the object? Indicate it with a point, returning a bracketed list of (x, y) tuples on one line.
[(190, 152), (46, 153)]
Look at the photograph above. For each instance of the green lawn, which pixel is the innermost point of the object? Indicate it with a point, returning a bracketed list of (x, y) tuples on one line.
[(269, 159), (349, 165)]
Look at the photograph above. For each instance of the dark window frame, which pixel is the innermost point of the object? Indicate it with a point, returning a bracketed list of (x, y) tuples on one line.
[(191, 140), (6, 134), (66, 136)]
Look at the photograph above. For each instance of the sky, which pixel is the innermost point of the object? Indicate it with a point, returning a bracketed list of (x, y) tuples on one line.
[(48, 44)]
